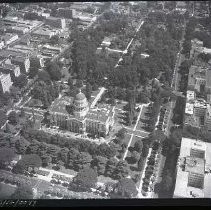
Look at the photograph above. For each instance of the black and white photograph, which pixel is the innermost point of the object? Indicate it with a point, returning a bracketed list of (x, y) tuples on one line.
[(105, 100)]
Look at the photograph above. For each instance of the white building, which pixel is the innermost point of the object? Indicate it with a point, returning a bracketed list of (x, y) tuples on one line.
[(193, 170), (5, 82), (9, 38)]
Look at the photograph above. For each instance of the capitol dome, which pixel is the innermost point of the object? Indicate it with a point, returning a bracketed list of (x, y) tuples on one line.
[(80, 96), (81, 106)]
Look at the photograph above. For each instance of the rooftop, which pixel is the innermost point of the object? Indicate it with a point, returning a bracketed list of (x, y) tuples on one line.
[(59, 105), (8, 67), (8, 36), (189, 108), (7, 53), (192, 120), (190, 95), (196, 72), (193, 170), (2, 75)]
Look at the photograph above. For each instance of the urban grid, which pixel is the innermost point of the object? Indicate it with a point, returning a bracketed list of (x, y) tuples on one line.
[(102, 100)]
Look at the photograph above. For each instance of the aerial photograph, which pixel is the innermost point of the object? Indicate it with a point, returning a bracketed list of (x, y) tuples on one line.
[(105, 100)]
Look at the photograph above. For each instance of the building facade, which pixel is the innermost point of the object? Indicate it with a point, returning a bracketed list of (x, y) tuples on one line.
[(81, 118), (193, 170), (5, 82)]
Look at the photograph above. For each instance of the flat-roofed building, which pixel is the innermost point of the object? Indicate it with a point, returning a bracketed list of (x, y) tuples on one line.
[(8, 38), (11, 69), (196, 78), (11, 54), (208, 118), (56, 22), (191, 95), (200, 106), (193, 170), (18, 29), (23, 63), (1, 44), (45, 32), (5, 82)]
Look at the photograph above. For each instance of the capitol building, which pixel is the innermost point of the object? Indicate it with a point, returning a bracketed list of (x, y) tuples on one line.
[(77, 115)]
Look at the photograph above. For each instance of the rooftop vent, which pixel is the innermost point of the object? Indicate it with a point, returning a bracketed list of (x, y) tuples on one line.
[(196, 180), (197, 153)]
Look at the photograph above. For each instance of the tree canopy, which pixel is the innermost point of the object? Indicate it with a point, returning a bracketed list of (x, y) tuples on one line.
[(86, 178), (23, 192), (126, 188)]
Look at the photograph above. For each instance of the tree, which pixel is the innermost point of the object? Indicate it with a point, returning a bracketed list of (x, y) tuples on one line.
[(88, 91), (106, 151), (140, 163), (3, 118), (159, 135), (122, 170), (70, 83), (121, 133), (186, 47), (21, 145), (85, 179), (6, 156), (145, 150), (72, 155), (21, 81), (34, 67), (82, 160), (63, 154), (44, 76), (135, 156), (138, 146), (54, 40), (54, 71), (26, 162), (33, 147), (110, 167), (126, 188), (15, 93), (23, 192), (184, 67), (13, 118), (46, 160), (100, 163), (79, 83)]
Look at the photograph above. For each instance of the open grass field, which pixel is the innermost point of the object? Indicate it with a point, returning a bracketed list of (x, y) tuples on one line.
[(6, 190)]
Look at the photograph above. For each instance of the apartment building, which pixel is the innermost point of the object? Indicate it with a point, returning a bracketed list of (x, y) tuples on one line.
[(5, 82)]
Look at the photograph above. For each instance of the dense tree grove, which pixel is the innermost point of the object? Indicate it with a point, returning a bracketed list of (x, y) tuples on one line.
[(26, 162), (46, 92), (6, 155), (85, 179), (22, 192), (3, 118), (125, 188), (162, 46)]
